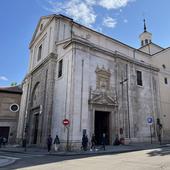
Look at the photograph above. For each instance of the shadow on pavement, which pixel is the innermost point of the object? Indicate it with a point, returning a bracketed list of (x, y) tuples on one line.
[(160, 152)]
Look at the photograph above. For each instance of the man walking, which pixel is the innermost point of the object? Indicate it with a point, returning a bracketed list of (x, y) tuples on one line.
[(56, 143), (93, 142), (103, 140), (49, 143)]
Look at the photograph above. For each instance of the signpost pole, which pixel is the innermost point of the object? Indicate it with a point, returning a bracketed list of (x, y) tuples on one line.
[(66, 123), (151, 133), (150, 122), (67, 138)]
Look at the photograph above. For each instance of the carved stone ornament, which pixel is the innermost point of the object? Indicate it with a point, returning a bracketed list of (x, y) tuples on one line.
[(102, 78), (103, 94), (101, 98)]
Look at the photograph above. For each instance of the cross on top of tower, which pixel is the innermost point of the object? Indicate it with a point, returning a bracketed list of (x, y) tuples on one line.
[(144, 25)]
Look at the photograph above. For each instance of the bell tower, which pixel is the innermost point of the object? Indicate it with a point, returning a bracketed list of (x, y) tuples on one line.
[(145, 37)]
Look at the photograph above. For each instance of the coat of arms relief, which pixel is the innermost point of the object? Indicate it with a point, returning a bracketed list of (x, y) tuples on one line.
[(104, 94)]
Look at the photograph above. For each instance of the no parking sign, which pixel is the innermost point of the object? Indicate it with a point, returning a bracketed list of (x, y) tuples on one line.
[(150, 120)]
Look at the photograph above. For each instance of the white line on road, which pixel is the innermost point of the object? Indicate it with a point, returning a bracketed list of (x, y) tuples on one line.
[(8, 157)]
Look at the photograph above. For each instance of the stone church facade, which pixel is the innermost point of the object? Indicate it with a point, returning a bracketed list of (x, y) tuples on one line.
[(100, 84)]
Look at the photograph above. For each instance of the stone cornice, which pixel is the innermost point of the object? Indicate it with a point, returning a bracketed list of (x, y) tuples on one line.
[(51, 56), (114, 54)]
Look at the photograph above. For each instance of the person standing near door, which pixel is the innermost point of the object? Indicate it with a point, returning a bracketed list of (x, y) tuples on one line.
[(103, 141), (1, 141)]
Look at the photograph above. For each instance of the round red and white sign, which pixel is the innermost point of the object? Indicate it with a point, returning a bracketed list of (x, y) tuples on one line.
[(66, 122)]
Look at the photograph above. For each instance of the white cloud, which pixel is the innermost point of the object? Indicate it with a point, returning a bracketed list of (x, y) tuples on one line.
[(3, 78), (113, 4), (90, 2), (109, 22), (84, 11), (81, 11)]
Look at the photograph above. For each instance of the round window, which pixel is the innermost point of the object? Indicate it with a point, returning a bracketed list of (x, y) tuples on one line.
[(14, 108)]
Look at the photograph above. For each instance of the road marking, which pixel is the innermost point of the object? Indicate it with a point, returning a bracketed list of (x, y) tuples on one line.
[(8, 157)]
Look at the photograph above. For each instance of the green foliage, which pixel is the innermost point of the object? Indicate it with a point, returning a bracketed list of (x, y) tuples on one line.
[(13, 83)]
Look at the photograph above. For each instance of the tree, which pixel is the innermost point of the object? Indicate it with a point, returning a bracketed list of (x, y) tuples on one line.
[(13, 83)]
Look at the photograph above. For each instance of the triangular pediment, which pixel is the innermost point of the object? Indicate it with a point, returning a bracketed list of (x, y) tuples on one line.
[(103, 99), (41, 25)]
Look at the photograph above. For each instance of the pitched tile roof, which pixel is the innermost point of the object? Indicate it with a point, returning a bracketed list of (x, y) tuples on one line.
[(12, 89)]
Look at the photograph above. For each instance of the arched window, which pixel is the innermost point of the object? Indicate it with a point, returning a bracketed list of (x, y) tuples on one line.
[(35, 95), (146, 41)]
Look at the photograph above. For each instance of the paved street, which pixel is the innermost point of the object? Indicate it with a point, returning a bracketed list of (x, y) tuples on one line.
[(153, 159)]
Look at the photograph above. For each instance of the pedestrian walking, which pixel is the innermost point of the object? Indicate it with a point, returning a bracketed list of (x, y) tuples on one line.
[(24, 144), (1, 140), (104, 141), (4, 141), (93, 142), (49, 143), (56, 143), (84, 142), (159, 131)]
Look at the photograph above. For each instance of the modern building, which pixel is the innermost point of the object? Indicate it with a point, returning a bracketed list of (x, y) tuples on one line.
[(99, 84), (10, 98)]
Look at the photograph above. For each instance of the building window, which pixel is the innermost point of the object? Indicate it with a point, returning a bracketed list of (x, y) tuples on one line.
[(139, 78), (142, 43), (146, 41), (60, 68), (39, 52), (166, 80)]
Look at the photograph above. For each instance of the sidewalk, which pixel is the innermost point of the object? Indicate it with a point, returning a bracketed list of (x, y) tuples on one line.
[(109, 149)]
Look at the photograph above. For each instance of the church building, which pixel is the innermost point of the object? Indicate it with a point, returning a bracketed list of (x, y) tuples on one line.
[(99, 84)]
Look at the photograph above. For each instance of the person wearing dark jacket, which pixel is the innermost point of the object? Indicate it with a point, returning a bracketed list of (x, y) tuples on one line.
[(56, 143), (93, 142), (84, 142), (1, 141), (103, 140), (49, 143), (117, 141)]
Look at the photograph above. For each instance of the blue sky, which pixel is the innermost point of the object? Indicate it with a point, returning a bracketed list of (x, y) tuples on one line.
[(119, 19)]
